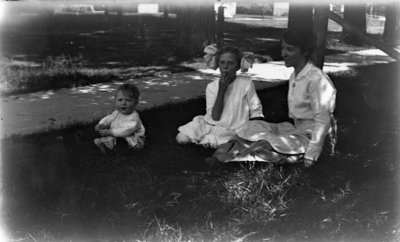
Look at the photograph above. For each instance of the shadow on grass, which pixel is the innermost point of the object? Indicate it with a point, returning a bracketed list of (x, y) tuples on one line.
[(60, 187), (20, 80)]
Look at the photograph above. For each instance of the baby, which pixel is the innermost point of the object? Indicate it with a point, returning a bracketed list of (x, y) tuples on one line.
[(124, 122)]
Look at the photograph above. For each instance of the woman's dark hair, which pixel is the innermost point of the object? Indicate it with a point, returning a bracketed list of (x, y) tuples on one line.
[(230, 49), (129, 90), (302, 38)]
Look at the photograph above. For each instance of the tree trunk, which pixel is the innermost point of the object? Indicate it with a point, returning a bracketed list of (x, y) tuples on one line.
[(220, 27), (106, 9), (300, 16), (354, 14), (392, 29), (165, 11), (321, 31), (195, 28)]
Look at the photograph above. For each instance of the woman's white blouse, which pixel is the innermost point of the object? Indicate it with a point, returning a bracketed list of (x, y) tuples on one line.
[(312, 98)]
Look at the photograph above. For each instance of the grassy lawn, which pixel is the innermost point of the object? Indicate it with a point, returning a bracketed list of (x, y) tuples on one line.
[(58, 187), (68, 72)]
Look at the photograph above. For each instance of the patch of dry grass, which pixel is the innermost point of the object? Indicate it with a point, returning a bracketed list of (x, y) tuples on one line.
[(53, 73)]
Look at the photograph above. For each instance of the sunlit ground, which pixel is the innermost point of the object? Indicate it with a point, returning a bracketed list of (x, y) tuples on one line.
[(276, 70)]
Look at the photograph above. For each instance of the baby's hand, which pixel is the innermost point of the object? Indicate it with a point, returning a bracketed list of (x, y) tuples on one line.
[(308, 162), (99, 127), (105, 132)]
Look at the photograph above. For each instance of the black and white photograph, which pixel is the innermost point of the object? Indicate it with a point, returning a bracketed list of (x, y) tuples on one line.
[(199, 120)]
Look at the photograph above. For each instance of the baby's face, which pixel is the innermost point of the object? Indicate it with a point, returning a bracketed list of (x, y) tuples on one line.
[(125, 104)]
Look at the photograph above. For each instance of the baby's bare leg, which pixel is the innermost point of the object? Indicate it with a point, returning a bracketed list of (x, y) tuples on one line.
[(100, 145)]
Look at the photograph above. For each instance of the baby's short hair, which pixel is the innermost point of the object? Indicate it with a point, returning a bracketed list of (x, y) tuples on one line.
[(129, 90)]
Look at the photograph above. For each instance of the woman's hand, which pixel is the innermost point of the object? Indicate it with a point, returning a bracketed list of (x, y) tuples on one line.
[(308, 162)]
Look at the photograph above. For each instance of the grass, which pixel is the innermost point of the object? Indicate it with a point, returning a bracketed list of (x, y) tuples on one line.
[(66, 72), (61, 188), (54, 73)]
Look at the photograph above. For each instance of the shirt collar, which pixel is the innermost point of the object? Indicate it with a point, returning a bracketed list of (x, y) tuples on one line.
[(304, 71)]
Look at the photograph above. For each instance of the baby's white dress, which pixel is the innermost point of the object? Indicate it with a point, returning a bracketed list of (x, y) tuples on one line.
[(129, 127)]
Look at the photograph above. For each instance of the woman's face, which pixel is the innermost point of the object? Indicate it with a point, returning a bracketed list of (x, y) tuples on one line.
[(291, 55), (228, 63)]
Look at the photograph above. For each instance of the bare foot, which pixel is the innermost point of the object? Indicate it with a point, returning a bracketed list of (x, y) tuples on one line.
[(101, 146)]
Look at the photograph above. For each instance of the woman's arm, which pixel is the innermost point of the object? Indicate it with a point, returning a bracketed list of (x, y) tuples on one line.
[(322, 96)]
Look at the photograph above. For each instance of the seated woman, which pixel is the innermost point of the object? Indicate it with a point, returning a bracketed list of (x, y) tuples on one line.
[(311, 101), (231, 101)]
